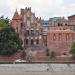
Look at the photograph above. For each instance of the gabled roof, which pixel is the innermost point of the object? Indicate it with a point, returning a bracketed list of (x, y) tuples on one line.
[(16, 16)]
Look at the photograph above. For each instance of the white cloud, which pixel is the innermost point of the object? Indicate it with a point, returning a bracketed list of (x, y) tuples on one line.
[(42, 8)]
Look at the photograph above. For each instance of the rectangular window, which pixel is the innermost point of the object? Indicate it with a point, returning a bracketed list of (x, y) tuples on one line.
[(21, 25), (27, 32), (32, 32), (37, 41), (32, 42), (26, 41), (67, 36), (54, 37), (37, 32), (60, 36)]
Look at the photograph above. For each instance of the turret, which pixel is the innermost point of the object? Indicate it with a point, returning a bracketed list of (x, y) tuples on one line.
[(16, 16), (16, 21)]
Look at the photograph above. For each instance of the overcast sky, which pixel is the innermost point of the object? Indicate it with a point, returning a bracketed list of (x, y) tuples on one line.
[(42, 8)]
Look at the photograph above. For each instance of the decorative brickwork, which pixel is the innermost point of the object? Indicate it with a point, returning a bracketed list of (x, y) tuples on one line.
[(57, 34)]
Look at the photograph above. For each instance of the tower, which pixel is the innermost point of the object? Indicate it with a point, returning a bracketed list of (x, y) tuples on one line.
[(29, 28), (16, 20)]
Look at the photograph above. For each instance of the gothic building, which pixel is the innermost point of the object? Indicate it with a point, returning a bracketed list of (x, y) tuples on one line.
[(57, 33), (29, 28), (61, 35)]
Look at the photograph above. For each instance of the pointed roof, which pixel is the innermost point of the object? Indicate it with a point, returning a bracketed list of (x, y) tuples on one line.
[(16, 16)]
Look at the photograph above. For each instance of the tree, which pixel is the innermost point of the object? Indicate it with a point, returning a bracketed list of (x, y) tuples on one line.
[(52, 54), (72, 50), (9, 41), (47, 52), (4, 22)]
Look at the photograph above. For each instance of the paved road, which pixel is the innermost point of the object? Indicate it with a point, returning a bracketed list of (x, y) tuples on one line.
[(37, 69)]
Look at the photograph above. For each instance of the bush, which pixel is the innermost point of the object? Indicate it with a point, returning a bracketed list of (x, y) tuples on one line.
[(52, 54), (47, 52), (72, 50)]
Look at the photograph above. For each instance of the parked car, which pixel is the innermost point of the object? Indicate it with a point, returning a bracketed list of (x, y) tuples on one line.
[(19, 61)]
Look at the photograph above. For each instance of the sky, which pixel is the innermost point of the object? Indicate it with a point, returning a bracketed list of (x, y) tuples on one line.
[(43, 8)]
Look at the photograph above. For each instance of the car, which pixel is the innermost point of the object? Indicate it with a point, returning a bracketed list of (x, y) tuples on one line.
[(19, 61)]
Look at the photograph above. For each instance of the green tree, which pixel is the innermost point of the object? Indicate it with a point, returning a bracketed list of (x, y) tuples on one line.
[(52, 54), (9, 41), (47, 52), (72, 50), (4, 22)]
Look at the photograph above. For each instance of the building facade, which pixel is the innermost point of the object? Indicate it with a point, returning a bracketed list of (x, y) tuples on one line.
[(61, 35), (57, 33), (29, 28)]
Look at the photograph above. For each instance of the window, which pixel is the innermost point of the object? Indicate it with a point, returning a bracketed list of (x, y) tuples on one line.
[(21, 25), (60, 36), (65, 24), (32, 42), (59, 24), (74, 28), (32, 32), (27, 32), (37, 32), (67, 36), (54, 37), (26, 41), (37, 41)]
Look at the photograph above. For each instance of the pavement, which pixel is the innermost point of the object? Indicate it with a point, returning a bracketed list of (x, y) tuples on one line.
[(37, 69)]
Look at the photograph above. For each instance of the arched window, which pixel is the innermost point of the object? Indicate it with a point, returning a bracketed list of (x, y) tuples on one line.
[(21, 25), (27, 32), (32, 42), (32, 32), (60, 36), (54, 37), (37, 41), (67, 36), (37, 32), (26, 41)]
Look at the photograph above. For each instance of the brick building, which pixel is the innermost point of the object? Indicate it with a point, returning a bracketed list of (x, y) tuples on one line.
[(56, 33), (29, 28), (61, 35), (60, 41)]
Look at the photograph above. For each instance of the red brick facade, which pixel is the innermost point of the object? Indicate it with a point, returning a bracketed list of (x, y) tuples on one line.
[(29, 28), (58, 37), (60, 41)]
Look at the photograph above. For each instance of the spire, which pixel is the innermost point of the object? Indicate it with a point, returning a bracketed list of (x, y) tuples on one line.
[(16, 16)]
